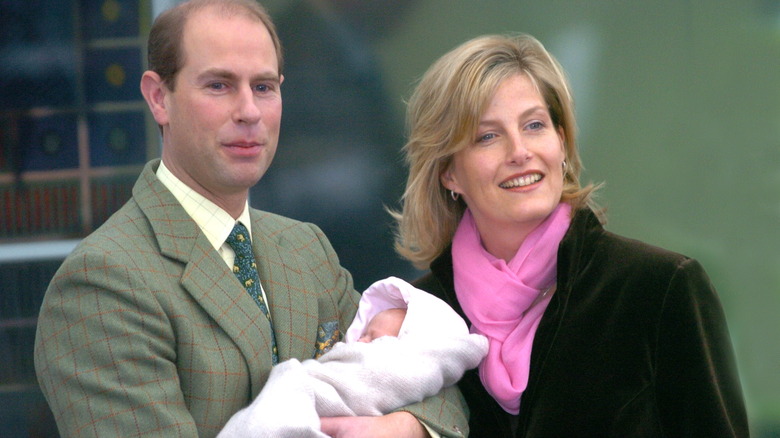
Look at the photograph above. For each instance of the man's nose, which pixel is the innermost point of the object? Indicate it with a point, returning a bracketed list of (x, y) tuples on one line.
[(247, 109)]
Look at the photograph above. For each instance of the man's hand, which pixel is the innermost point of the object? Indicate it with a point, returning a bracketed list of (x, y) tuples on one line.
[(394, 425)]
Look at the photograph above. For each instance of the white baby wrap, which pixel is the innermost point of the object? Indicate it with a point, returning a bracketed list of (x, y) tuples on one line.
[(432, 351)]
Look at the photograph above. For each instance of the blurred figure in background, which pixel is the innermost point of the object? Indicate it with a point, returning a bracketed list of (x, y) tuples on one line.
[(339, 163)]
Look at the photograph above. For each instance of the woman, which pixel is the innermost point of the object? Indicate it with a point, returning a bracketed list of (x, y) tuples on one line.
[(591, 334)]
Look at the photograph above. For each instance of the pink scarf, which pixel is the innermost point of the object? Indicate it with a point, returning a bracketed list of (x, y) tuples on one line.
[(502, 300)]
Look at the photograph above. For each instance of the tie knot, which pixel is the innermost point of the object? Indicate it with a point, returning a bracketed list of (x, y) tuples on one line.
[(239, 240)]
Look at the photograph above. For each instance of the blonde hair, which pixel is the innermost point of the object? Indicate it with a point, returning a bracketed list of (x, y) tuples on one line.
[(442, 117)]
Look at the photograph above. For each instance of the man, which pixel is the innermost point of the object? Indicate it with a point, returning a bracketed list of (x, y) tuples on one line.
[(146, 329)]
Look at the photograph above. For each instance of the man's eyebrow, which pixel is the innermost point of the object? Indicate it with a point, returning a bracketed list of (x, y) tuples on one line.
[(227, 74), (216, 73), (274, 77)]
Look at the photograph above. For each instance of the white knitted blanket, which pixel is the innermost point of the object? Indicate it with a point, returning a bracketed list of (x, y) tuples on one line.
[(432, 352)]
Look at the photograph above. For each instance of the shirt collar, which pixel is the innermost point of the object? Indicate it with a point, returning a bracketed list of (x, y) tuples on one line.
[(215, 222)]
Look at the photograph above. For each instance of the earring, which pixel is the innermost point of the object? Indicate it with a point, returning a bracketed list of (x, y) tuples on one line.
[(564, 166), (454, 195)]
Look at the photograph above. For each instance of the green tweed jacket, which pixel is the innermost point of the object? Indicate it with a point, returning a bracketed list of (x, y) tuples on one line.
[(144, 331)]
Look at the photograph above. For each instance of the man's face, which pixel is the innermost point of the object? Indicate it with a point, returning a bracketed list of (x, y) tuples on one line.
[(221, 124)]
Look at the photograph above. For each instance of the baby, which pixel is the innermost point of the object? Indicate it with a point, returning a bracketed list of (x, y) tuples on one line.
[(404, 345), (385, 323)]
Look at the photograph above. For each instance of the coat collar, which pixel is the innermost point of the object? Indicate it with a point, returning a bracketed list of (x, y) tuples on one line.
[(574, 252)]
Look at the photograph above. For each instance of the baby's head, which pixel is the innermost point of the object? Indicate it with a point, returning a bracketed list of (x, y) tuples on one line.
[(385, 323)]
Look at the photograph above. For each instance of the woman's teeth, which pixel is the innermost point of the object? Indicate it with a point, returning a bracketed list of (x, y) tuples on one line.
[(521, 181)]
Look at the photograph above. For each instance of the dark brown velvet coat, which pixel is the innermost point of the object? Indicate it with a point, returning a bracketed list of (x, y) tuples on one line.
[(634, 343)]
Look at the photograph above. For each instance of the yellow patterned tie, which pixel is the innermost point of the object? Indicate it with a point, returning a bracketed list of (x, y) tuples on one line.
[(245, 269)]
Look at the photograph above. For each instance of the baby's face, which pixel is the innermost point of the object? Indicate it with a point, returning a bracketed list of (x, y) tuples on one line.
[(385, 323)]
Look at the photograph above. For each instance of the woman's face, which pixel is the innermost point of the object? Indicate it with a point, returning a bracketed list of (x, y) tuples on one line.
[(511, 175)]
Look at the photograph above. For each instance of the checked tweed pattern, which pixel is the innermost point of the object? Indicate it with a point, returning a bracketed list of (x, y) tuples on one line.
[(245, 269)]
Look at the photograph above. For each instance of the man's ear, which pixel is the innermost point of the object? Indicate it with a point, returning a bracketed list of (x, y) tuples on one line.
[(154, 91)]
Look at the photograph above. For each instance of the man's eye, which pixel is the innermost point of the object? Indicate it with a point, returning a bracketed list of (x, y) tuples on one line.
[(262, 88), (217, 86)]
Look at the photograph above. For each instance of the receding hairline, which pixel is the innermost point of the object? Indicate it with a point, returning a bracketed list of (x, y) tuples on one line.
[(165, 51), (224, 11)]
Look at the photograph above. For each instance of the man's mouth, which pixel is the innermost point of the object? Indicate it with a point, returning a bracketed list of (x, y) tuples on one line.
[(243, 144)]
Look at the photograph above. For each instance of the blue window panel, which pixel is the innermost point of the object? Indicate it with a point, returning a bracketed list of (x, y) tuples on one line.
[(37, 54), (48, 143), (110, 18), (112, 75), (117, 139)]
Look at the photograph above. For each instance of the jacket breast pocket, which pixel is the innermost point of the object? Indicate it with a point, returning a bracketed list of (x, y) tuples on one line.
[(328, 334)]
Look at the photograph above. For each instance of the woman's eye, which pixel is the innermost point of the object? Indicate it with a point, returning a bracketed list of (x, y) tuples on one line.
[(485, 137), (535, 126)]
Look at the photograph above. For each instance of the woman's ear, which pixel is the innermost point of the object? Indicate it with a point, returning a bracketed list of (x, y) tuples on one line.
[(155, 91), (562, 138), (448, 180)]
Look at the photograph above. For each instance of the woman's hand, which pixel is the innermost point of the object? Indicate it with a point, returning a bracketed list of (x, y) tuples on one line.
[(394, 425)]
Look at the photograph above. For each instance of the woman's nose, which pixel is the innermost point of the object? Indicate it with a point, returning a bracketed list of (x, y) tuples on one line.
[(517, 150)]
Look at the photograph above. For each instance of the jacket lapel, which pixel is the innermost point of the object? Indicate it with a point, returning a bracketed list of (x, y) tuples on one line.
[(574, 251), (294, 306), (205, 276), (221, 295)]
